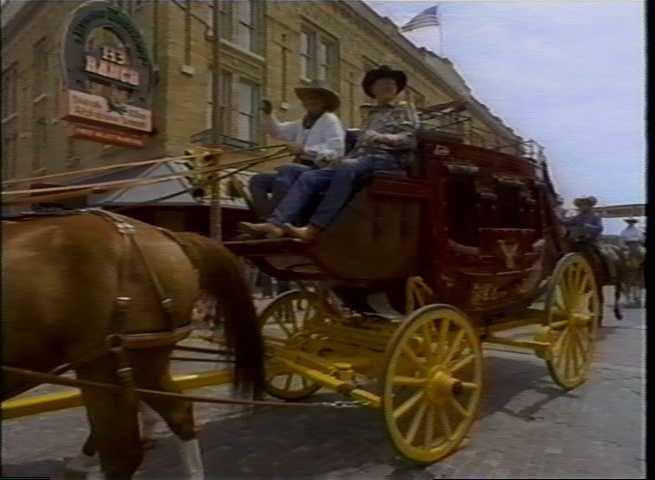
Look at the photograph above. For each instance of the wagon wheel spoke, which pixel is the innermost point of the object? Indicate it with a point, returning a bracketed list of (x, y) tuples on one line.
[(428, 433), (568, 360), (278, 318), (445, 423), (443, 340), (409, 353), (454, 347), (459, 407), (464, 362), (470, 386), (406, 381), (408, 404), (584, 283), (427, 345), (563, 342), (416, 423)]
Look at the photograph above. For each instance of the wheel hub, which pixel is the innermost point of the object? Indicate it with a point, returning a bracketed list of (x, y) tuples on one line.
[(441, 387)]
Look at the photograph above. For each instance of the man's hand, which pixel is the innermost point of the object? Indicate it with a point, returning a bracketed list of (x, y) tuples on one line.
[(295, 149), (267, 107)]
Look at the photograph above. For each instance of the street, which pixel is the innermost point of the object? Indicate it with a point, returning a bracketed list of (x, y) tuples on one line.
[(527, 428)]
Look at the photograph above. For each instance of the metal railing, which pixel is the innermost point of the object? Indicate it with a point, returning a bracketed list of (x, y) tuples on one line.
[(460, 123)]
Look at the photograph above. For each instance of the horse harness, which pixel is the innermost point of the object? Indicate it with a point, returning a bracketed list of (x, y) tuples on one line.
[(118, 340)]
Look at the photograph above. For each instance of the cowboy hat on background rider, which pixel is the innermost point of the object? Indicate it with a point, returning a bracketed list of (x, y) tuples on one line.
[(586, 225), (316, 140), (387, 142)]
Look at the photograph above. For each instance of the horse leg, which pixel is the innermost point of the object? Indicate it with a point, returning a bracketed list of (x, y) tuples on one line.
[(113, 420), (88, 460), (177, 413)]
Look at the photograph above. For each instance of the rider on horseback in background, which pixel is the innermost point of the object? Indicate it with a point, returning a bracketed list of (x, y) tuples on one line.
[(587, 225), (631, 236)]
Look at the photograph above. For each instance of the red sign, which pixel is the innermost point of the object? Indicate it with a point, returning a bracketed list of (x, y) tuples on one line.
[(111, 137)]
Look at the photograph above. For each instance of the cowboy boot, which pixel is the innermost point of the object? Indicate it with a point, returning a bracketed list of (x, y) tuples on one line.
[(306, 234), (262, 229)]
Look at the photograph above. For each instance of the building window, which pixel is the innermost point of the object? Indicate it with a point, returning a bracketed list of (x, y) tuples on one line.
[(246, 25), (9, 91), (319, 57), (306, 60), (225, 20), (39, 142), (247, 121), (224, 105), (9, 155), (40, 69)]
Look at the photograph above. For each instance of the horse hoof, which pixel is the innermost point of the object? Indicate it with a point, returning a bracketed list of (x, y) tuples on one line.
[(83, 463), (95, 474)]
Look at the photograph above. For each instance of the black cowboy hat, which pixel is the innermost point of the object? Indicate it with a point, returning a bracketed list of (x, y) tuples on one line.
[(630, 220), (383, 71), (588, 200), (332, 99)]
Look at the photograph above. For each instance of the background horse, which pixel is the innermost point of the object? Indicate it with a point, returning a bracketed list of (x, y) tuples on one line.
[(634, 257), (62, 276)]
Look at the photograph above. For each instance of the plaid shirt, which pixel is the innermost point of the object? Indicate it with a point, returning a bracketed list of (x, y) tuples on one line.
[(388, 129)]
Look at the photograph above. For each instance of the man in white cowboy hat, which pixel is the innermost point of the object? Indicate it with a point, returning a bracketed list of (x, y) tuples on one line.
[(631, 235), (586, 225), (316, 139), (387, 142)]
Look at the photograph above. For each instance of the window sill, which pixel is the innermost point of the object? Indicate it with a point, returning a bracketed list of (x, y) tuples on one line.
[(9, 118), (39, 98), (188, 70), (240, 49)]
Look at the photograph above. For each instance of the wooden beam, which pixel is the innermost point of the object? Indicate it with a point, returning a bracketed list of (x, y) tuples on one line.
[(23, 407)]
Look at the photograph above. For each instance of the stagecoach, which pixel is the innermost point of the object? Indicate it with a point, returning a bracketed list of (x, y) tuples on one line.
[(420, 269), (395, 299)]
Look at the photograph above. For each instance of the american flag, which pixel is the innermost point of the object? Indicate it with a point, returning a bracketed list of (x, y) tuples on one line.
[(428, 17)]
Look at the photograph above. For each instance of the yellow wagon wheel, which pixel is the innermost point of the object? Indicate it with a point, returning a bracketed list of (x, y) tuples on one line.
[(432, 383), (572, 310), (283, 322)]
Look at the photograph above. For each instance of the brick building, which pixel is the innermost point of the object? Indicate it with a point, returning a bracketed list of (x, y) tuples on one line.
[(265, 50)]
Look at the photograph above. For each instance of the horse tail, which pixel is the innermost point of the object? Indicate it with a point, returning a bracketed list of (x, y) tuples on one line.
[(222, 277)]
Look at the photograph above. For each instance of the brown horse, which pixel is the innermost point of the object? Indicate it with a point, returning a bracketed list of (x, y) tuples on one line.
[(61, 278)]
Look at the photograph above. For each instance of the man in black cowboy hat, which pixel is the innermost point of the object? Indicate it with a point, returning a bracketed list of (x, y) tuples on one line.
[(316, 140), (387, 142), (586, 225)]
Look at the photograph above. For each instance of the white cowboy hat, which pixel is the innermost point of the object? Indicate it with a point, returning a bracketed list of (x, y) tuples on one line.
[(332, 99)]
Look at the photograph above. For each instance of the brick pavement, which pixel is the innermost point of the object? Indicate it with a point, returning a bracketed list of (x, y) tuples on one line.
[(528, 428)]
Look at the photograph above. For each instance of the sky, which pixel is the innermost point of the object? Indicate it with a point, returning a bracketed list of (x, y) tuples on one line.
[(568, 74)]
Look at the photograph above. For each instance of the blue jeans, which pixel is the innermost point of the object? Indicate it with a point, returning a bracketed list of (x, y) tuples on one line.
[(275, 184), (338, 184)]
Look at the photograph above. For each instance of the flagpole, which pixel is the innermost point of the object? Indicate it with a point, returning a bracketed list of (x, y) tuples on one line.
[(440, 36)]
